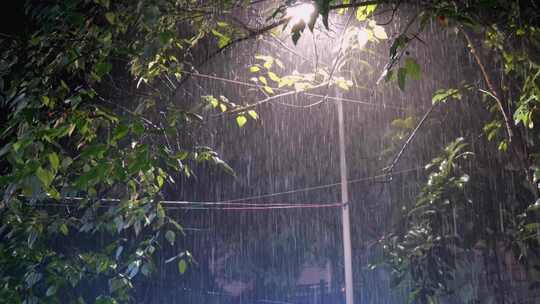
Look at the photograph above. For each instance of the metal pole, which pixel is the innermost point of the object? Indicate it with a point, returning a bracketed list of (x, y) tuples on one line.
[(345, 220)]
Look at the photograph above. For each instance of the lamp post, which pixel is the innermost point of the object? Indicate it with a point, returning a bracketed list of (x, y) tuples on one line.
[(345, 217), (303, 13)]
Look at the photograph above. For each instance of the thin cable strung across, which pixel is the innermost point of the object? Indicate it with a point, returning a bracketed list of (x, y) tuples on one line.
[(238, 205)]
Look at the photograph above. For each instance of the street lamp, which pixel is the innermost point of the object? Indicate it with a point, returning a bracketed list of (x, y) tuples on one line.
[(303, 13)]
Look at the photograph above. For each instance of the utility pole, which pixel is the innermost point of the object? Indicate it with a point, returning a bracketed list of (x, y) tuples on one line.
[(345, 218)]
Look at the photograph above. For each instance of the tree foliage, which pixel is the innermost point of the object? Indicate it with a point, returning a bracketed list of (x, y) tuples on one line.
[(86, 151), (92, 136)]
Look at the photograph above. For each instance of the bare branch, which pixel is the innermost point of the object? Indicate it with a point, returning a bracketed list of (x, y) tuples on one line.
[(270, 98), (493, 91), (396, 159)]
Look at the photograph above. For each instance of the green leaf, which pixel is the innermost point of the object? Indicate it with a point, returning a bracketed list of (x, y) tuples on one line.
[(254, 69), (97, 173), (53, 193), (96, 151), (182, 266), (223, 40), (444, 95), (54, 160), (165, 37), (111, 17), (138, 128), (45, 176), (503, 146), (105, 300), (176, 225), (46, 101), (51, 291), (64, 229), (102, 68), (120, 132), (170, 236), (214, 102), (241, 120), (413, 68), (106, 114), (160, 181), (532, 227)]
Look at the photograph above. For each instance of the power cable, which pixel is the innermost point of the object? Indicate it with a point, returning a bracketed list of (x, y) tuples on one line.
[(238, 205), (306, 189)]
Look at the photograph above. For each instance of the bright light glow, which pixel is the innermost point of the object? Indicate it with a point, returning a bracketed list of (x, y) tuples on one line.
[(363, 38), (300, 13)]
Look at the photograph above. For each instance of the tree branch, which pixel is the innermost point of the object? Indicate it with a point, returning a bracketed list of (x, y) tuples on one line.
[(270, 98), (492, 90), (354, 4), (396, 159)]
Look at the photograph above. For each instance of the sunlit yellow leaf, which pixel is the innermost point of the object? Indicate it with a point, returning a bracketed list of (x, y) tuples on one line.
[(268, 90), (273, 76), (343, 85), (363, 12), (253, 114), (379, 32), (342, 11), (241, 120), (223, 107)]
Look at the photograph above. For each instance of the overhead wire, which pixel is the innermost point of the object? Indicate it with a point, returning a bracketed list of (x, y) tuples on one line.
[(239, 204), (312, 188), (178, 205)]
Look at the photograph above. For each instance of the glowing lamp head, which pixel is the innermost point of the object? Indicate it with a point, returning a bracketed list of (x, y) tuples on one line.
[(302, 12)]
